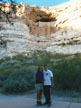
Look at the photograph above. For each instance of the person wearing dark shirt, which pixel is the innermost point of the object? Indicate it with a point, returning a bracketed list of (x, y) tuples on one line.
[(39, 85)]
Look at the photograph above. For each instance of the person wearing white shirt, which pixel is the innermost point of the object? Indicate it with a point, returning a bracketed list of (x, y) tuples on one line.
[(48, 83)]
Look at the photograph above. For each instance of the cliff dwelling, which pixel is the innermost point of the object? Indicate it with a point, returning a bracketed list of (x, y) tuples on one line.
[(39, 19), (42, 28), (41, 23)]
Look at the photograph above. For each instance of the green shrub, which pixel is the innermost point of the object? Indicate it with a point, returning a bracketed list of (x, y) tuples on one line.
[(67, 74), (17, 74), (1, 83), (20, 81), (1, 61)]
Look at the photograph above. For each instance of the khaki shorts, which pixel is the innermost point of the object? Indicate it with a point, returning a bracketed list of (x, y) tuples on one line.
[(39, 87)]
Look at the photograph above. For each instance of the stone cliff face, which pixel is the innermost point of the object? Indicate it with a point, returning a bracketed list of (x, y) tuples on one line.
[(56, 29)]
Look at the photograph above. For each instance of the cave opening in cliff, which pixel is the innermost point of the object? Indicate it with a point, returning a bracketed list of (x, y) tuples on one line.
[(46, 20), (3, 44)]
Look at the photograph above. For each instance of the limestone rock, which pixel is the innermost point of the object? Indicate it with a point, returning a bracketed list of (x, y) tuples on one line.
[(56, 29)]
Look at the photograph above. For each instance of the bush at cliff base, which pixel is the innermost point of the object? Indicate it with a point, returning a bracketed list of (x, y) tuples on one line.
[(20, 81), (17, 74)]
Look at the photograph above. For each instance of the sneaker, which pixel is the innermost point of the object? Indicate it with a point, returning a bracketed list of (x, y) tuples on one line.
[(45, 103), (39, 103), (49, 105)]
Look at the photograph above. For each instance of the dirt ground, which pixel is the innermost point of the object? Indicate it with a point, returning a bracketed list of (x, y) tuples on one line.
[(29, 101)]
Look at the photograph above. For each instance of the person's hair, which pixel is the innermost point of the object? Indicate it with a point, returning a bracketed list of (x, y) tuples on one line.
[(45, 65), (39, 69)]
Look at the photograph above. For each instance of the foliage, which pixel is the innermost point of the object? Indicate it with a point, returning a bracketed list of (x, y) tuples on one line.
[(6, 15), (17, 74), (20, 81)]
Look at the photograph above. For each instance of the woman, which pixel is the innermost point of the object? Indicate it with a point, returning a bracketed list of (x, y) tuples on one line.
[(39, 85)]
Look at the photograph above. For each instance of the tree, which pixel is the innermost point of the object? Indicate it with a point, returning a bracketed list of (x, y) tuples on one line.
[(3, 12)]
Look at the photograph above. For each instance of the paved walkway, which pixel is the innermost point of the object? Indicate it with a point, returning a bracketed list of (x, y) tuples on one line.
[(29, 102)]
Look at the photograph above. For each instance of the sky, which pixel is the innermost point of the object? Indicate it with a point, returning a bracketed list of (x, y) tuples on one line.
[(43, 2), (47, 3)]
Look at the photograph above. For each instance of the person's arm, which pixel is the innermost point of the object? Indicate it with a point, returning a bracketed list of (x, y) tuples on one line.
[(52, 82), (43, 77), (36, 76), (52, 79)]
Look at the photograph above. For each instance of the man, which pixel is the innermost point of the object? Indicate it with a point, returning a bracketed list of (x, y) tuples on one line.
[(48, 83)]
